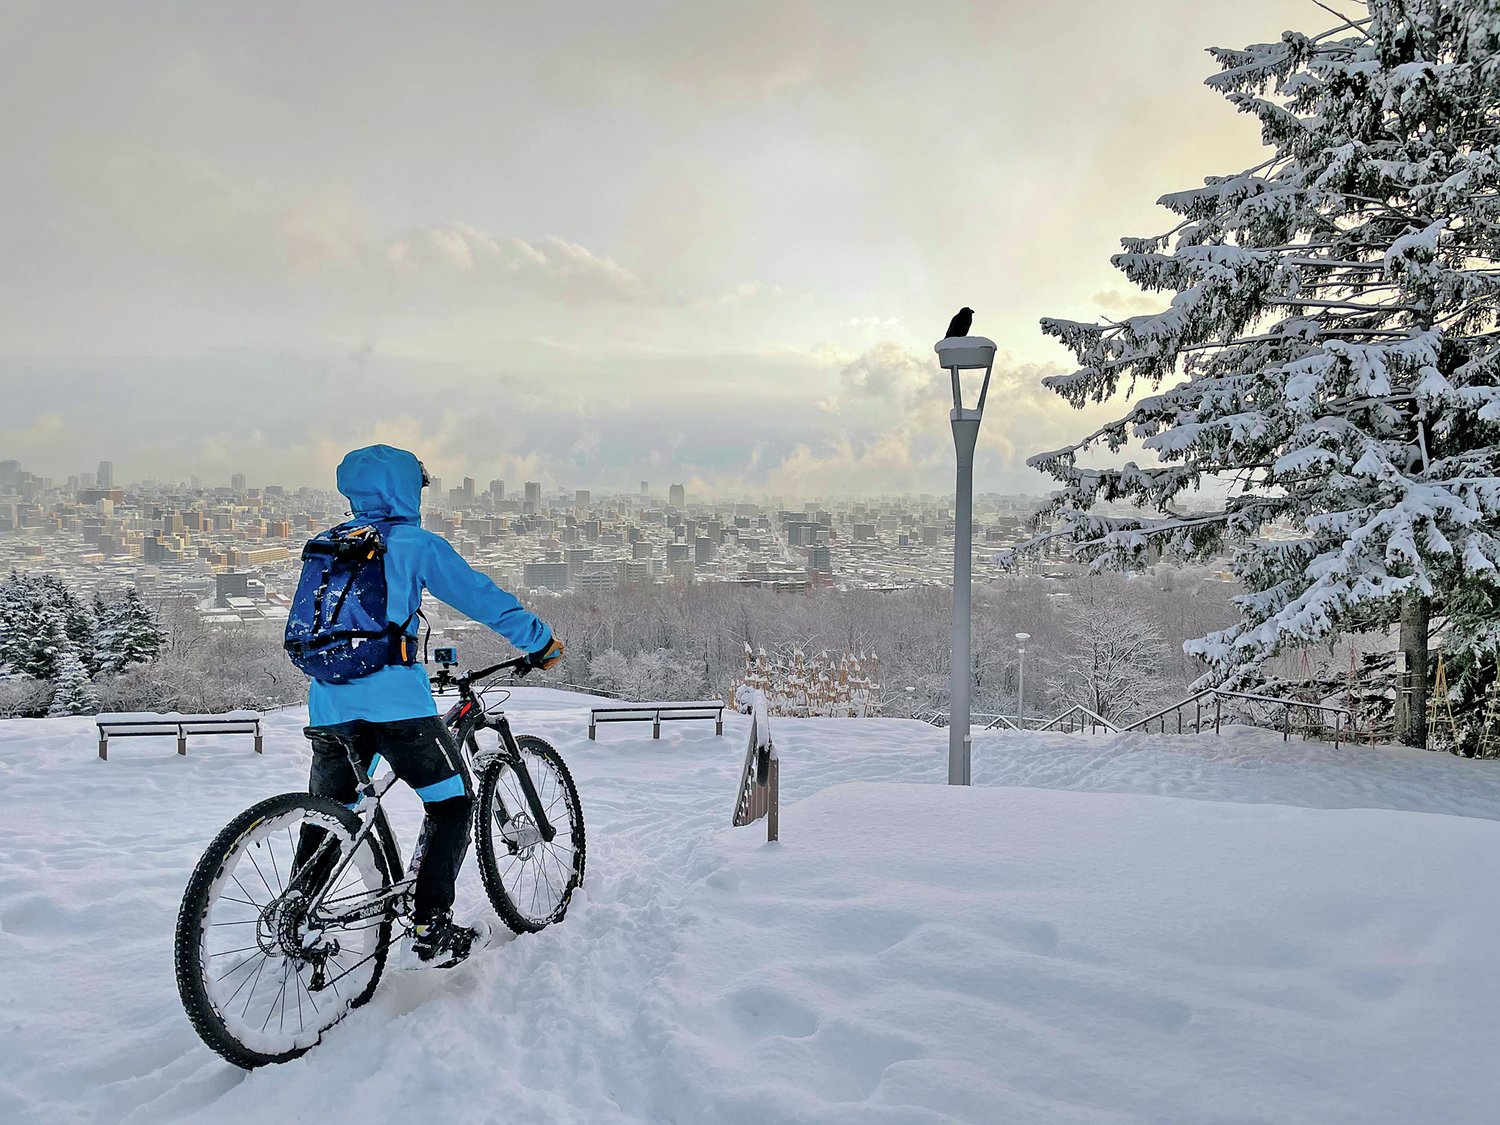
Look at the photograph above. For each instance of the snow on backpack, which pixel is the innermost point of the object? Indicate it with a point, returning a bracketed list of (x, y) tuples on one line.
[(337, 629)]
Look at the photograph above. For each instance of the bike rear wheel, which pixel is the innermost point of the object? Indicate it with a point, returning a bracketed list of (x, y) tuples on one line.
[(260, 979), (530, 881)]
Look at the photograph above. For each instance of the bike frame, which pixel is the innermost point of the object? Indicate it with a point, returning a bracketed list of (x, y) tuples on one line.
[(464, 719)]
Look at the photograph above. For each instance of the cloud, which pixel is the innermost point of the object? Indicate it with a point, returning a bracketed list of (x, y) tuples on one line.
[(884, 370), (550, 266)]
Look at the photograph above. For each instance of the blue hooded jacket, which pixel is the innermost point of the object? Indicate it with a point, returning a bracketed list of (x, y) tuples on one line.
[(383, 483)]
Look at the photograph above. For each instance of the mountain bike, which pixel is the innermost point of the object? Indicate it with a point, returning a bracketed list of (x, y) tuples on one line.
[(287, 919)]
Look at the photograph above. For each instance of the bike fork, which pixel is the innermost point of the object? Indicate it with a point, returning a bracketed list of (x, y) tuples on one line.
[(523, 775)]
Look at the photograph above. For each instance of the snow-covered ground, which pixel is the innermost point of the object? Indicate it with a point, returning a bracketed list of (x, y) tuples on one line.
[(1125, 928)]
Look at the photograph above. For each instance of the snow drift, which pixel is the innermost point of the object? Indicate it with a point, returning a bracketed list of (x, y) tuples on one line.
[(1202, 930)]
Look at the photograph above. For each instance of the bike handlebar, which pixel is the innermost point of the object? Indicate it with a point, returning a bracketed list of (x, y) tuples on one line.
[(444, 677)]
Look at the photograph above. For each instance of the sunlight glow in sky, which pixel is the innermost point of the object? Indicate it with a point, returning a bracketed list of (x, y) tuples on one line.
[(586, 244)]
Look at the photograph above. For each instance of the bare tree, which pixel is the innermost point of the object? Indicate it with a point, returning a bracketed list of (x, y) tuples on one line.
[(1112, 660)]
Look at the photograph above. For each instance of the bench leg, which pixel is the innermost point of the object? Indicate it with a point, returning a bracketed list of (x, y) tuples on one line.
[(656, 727), (719, 725), (591, 728), (259, 745), (182, 745), (103, 748)]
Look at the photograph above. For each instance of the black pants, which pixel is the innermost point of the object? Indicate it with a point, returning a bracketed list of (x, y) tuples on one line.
[(422, 754)]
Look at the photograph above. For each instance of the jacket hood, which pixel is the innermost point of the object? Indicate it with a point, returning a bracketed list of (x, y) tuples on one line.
[(382, 482)]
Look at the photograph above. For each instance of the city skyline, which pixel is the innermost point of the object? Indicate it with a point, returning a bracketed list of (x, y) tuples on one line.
[(276, 240)]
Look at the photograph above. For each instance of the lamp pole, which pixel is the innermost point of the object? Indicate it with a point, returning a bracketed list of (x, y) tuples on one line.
[(1022, 638), (963, 353)]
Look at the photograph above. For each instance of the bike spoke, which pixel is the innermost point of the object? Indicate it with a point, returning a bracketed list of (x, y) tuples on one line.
[(271, 851), (258, 871), (236, 969), (251, 995), (247, 894)]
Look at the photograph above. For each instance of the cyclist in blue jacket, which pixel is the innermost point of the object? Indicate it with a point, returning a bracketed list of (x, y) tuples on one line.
[(391, 712)]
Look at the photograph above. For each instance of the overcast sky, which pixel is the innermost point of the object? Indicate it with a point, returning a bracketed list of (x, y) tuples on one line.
[(583, 243)]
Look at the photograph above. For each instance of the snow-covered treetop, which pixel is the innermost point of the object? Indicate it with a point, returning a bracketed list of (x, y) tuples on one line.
[(1330, 341)]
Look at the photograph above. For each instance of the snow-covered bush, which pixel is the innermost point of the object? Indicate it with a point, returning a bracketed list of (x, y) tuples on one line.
[(608, 672), (1332, 321), (23, 696), (206, 669)]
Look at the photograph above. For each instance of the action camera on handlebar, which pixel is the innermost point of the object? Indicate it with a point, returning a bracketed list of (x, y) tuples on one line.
[(448, 656)]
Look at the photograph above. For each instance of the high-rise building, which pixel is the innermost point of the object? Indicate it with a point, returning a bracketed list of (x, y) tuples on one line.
[(677, 496), (497, 490), (703, 550), (818, 560), (106, 474), (463, 495), (581, 497), (533, 494), (645, 488), (552, 575), (237, 483), (196, 484), (86, 480), (230, 584)]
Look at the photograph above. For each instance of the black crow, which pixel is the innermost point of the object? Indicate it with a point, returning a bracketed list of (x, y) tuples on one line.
[(959, 325)]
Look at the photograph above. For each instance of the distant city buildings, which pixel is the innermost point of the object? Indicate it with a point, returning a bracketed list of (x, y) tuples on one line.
[(105, 477), (233, 553)]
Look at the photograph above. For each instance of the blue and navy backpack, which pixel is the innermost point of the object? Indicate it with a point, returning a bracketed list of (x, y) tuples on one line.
[(337, 630)]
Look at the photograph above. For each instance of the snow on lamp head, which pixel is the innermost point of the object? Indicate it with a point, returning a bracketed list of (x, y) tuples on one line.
[(967, 353)]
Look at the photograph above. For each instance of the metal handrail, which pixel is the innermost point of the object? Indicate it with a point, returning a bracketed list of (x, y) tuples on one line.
[(1343, 718), (1080, 710), (1141, 723), (1002, 719)]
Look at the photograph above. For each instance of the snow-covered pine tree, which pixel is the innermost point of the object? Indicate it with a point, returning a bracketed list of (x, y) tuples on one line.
[(75, 694), (44, 640), (129, 633), (13, 597), (79, 621), (1334, 324)]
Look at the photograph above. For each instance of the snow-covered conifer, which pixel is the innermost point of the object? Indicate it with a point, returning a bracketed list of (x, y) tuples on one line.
[(1333, 324), (75, 694), (129, 633), (79, 622)]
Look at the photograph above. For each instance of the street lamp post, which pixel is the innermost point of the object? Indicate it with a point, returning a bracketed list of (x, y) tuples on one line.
[(963, 353), (1021, 638)]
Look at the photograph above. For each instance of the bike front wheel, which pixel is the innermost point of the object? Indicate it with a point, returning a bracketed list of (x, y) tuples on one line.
[(529, 880), (261, 977)]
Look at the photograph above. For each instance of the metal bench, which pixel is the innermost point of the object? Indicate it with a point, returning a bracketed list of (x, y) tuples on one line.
[(145, 726), (658, 713)]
